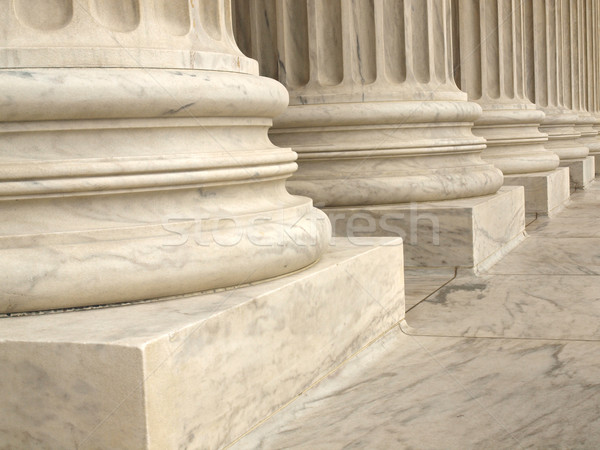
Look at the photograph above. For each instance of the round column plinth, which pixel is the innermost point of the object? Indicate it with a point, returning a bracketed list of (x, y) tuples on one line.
[(386, 152), (563, 138), (134, 184), (514, 143), (589, 135)]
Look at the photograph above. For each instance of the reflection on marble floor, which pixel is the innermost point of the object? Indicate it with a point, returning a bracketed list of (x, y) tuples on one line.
[(508, 359)]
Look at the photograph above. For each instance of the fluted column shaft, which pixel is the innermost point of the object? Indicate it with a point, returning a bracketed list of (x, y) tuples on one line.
[(491, 69), (375, 114), (577, 91), (552, 69), (135, 161), (592, 92)]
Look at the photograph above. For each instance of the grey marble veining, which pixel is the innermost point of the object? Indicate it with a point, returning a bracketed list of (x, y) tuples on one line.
[(566, 227), (197, 371), (507, 359), (552, 256), (421, 283), (515, 306), (451, 393)]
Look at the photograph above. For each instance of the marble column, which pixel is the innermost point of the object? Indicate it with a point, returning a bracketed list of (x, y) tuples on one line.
[(375, 114), (592, 21), (552, 84), (579, 50), (136, 163), (490, 67)]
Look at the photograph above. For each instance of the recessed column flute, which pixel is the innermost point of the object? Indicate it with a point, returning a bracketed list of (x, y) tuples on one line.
[(490, 67), (135, 161), (576, 91), (552, 91), (375, 114), (592, 35)]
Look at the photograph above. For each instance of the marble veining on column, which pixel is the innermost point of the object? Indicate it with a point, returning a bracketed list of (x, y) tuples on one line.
[(375, 115), (126, 178), (490, 64)]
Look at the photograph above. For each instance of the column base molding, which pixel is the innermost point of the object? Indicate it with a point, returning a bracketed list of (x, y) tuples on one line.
[(582, 171), (545, 192), (471, 233), (120, 190), (197, 371)]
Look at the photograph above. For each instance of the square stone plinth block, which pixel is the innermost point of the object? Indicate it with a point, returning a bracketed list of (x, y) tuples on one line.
[(545, 192), (582, 171), (196, 371), (597, 163), (471, 233)]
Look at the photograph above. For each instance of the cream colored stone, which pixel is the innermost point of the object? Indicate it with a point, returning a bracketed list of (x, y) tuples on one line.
[(378, 122), (582, 171), (470, 233), (546, 193), (197, 371), (550, 65), (126, 183), (375, 115), (490, 67)]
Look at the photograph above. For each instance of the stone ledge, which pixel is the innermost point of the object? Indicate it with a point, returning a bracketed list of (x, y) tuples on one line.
[(545, 192), (197, 371), (582, 171), (471, 233)]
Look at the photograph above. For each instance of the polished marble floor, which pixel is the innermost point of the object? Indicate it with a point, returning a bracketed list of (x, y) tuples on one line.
[(508, 359)]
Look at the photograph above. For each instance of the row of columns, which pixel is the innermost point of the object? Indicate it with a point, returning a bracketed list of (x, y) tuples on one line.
[(375, 114), (131, 127), (524, 62)]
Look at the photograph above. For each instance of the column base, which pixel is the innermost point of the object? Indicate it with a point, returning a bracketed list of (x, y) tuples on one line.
[(582, 171), (597, 163), (545, 192), (197, 371), (471, 233)]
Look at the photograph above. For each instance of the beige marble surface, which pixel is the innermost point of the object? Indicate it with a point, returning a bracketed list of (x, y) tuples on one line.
[(137, 165), (197, 371), (470, 233), (375, 115), (491, 68), (496, 361), (419, 284), (124, 33), (581, 171), (564, 307), (451, 393), (546, 193)]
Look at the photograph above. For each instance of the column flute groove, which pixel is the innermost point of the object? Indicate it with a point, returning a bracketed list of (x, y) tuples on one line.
[(492, 73), (491, 56), (552, 78), (393, 131), (362, 139), (138, 131)]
